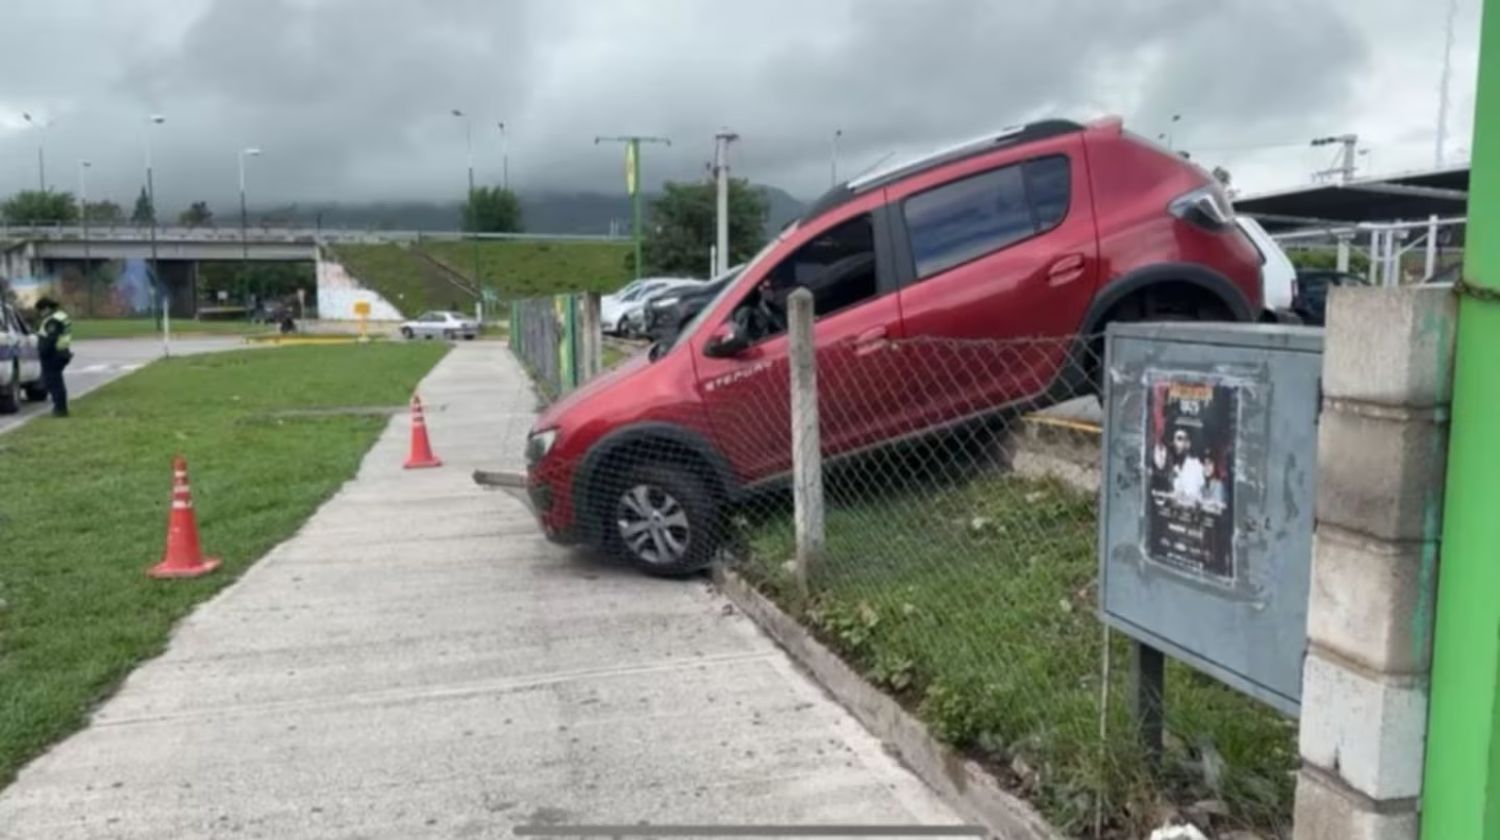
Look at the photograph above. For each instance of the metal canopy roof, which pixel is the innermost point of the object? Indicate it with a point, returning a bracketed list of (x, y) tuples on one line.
[(1409, 196)]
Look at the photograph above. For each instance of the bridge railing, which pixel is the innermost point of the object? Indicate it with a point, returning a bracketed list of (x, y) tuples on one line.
[(180, 233)]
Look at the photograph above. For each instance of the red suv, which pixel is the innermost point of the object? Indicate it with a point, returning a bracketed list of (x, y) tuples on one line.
[(1046, 232)]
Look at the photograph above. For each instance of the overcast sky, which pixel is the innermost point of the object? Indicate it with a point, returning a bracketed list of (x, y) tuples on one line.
[(351, 99)]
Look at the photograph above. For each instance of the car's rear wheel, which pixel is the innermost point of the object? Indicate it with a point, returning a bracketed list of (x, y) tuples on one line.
[(662, 521), (10, 393), (407, 333)]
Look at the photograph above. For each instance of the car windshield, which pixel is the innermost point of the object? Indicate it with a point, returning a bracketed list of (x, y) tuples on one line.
[(694, 325)]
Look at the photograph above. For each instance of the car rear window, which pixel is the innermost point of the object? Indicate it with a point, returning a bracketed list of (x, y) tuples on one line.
[(968, 218)]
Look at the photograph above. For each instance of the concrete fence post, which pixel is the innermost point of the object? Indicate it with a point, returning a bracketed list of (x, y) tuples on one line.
[(807, 450), (1382, 443)]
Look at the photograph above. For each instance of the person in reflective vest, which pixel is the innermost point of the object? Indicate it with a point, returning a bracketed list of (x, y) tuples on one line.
[(54, 345)]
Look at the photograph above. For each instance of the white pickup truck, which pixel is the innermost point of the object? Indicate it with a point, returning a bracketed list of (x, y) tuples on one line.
[(20, 372)]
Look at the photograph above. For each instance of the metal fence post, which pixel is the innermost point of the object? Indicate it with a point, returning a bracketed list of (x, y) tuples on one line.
[(590, 337), (807, 455)]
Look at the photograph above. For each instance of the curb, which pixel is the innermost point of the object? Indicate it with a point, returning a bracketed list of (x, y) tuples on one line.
[(966, 785)]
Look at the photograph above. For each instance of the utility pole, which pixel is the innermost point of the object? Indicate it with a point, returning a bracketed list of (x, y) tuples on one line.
[(1345, 168), (633, 182), (156, 279), (721, 178)]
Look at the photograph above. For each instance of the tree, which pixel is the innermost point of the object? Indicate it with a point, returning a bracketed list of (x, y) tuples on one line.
[(143, 213), (492, 210), (682, 226), (197, 215), (103, 212), (34, 207)]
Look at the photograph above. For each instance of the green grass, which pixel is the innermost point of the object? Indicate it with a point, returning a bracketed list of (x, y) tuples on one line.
[(974, 604), (89, 510), (533, 269), (411, 284), (139, 327), (514, 268)]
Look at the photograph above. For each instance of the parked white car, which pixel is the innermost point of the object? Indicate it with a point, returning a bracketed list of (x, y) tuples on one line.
[(440, 324), (20, 371), (615, 309), (1278, 276)]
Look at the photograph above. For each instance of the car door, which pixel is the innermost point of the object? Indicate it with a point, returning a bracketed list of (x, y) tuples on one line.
[(999, 260), (747, 396), (25, 346)]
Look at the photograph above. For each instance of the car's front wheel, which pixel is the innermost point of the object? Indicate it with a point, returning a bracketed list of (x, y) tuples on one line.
[(662, 521)]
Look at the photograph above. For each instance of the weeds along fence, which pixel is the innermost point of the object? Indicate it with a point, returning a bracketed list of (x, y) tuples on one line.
[(557, 339), (951, 572)]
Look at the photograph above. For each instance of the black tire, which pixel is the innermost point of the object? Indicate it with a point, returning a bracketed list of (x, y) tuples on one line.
[(622, 329), (34, 391), (661, 520), (10, 395), (407, 333)]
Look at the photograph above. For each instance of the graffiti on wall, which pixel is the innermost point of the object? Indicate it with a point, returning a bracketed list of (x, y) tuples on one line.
[(114, 289)]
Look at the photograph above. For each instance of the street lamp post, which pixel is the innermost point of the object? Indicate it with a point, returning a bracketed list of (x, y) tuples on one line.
[(471, 212), (156, 281), (633, 184), (41, 164), (248, 151), (83, 215), (504, 157), (833, 158)]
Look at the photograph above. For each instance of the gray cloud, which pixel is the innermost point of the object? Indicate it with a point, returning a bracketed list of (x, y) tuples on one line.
[(350, 98)]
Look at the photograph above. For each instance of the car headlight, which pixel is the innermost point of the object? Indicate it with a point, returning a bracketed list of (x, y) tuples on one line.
[(539, 444)]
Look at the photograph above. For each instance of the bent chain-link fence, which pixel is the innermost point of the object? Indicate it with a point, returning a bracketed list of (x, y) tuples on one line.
[(959, 570)]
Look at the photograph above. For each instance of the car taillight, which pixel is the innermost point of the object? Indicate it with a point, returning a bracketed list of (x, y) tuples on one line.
[(1207, 207)]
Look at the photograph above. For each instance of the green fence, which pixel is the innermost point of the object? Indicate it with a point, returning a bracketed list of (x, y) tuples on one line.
[(544, 335)]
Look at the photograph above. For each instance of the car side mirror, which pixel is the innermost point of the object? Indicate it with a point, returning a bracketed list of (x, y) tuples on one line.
[(729, 341)]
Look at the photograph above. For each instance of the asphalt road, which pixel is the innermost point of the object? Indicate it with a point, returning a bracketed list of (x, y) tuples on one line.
[(106, 359)]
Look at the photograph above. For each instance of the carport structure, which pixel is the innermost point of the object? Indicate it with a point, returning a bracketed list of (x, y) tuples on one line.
[(1398, 212)]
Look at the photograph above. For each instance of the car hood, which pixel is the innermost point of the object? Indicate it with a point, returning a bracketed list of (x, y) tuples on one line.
[(554, 413)]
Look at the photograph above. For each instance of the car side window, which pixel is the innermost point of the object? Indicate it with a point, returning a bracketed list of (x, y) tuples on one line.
[(837, 266), (965, 219)]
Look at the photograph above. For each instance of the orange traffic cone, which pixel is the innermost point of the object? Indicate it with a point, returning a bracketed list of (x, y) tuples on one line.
[(183, 557), (421, 449)]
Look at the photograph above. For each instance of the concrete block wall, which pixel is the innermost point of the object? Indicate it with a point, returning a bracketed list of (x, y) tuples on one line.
[(1382, 447)]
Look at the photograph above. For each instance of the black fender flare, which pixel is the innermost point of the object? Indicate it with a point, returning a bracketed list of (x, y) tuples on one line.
[(1193, 274), (619, 441)]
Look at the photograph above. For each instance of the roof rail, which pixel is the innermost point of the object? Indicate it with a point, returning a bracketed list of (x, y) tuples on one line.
[(970, 145)]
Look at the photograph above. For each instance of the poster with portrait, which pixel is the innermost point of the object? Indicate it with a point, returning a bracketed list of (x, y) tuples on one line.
[(1190, 449)]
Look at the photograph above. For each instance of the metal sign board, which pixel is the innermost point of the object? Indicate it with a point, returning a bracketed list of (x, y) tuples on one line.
[(1207, 506)]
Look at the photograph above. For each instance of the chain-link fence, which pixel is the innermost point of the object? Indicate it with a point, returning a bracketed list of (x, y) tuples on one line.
[(958, 570), (543, 335)]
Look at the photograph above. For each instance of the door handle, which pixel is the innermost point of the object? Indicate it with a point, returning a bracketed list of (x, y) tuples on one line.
[(870, 341), (1065, 269)]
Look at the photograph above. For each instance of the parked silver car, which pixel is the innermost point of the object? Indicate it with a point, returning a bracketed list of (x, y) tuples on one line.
[(440, 324)]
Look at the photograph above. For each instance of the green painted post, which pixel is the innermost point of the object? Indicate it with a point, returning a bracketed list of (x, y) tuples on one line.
[(1461, 785), (514, 328), (635, 200), (570, 340)]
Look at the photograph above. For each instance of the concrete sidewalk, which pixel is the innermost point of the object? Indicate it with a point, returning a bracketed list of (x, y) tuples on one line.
[(417, 662)]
